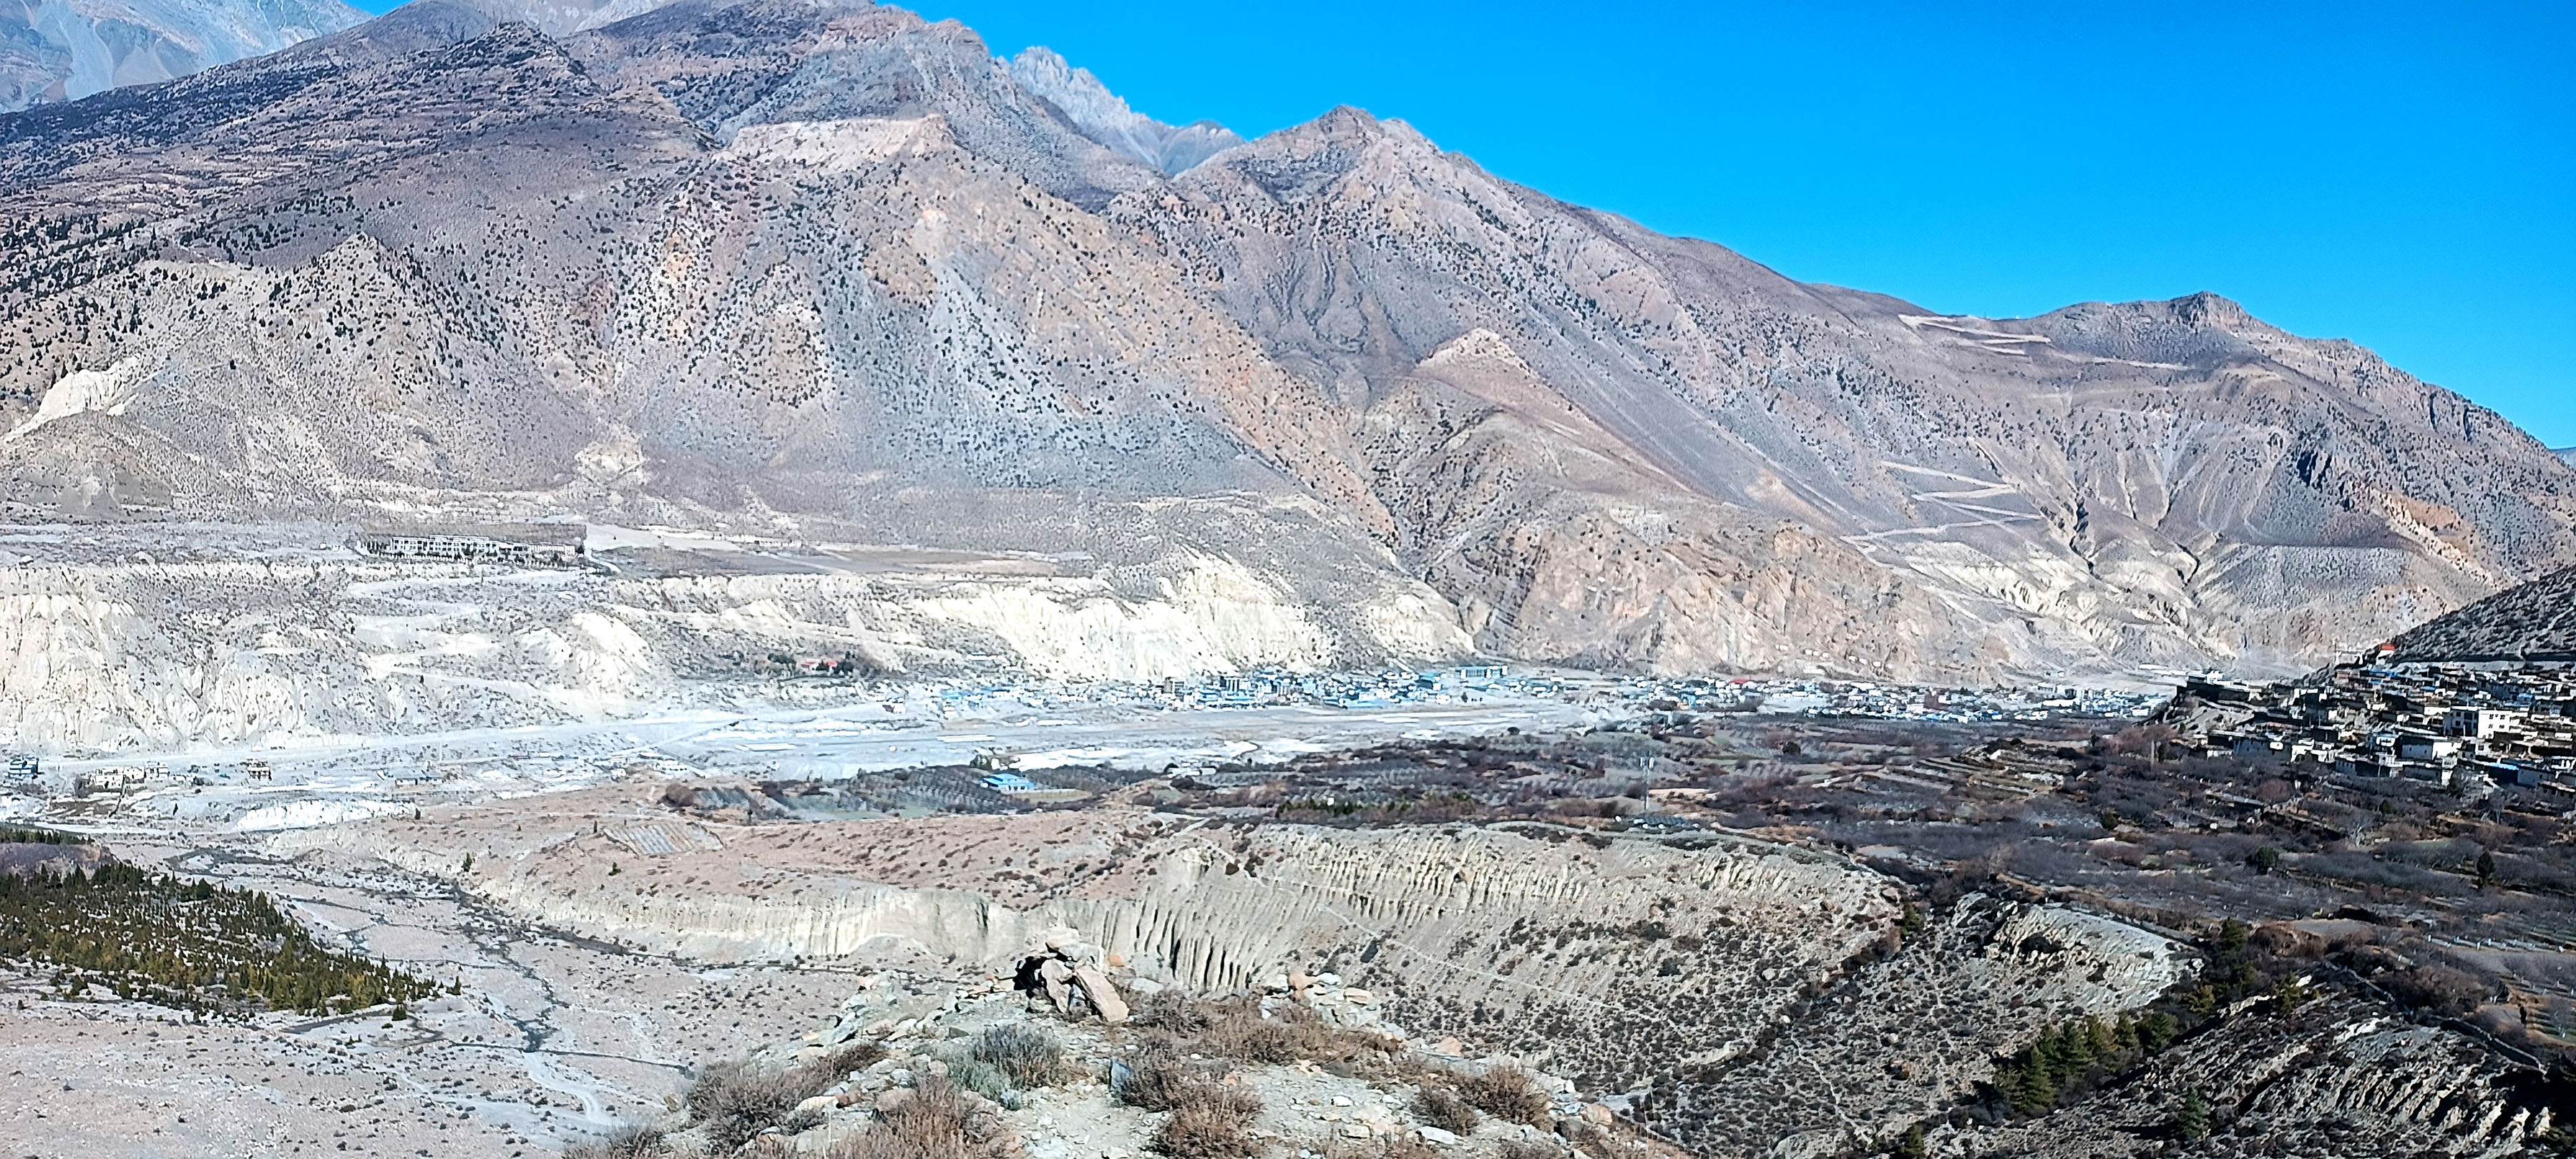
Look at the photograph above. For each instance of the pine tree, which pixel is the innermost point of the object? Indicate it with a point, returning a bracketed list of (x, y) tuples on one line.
[(2192, 1122)]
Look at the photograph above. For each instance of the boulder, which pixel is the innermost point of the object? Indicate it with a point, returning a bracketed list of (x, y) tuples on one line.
[(1104, 997), (1053, 974)]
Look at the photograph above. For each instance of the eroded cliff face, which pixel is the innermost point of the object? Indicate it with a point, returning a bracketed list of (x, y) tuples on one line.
[(1627, 964), (159, 657), (1750, 1000)]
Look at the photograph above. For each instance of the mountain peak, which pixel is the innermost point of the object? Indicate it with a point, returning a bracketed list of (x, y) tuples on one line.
[(1104, 116)]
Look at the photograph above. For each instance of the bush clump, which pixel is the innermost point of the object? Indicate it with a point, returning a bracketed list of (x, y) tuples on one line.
[(738, 1100), (624, 1143), (937, 1122), (1212, 1121), (1170, 1011), (1027, 1055), (1443, 1108), (1507, 1093), (1289, 1033), (1159, 1081)]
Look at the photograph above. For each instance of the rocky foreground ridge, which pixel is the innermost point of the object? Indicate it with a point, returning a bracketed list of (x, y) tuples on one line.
[(1725, 995), (826, 273)]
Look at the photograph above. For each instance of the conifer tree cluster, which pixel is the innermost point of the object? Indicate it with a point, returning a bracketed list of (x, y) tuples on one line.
[(2079, 1055), (189, 945), (2074, 1057)]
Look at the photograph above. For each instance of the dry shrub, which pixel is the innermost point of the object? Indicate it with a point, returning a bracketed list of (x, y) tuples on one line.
[(857, 1056), (740, 1099), (1444, 1109), (1506, 1093), (624, 1143), (1208, 1120), (1587, 1139), (1528, 1149), (1159, 1081), (1199, 1131), (937, 1122), (1170, 1011), (1290, 1033), (1025, 1054)]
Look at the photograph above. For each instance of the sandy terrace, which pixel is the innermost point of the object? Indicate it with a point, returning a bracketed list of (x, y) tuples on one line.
[(578, 841)]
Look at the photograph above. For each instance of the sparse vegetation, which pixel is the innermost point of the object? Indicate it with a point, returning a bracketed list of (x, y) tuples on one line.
[(737, 1100), (184, 944), (625, 1143), (1506, 1093), (1159, 1081), (1211, 1121), (935, 1121), (1442, 1108), (1029, 1056)]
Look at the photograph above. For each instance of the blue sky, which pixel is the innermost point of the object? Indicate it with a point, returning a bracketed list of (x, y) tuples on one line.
[(2402, 175)]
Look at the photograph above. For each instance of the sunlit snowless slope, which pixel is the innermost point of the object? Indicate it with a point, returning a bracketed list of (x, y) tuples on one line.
[(832, 273), (1756, 999)]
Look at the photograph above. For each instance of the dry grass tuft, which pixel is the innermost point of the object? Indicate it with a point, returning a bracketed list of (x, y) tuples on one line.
[(1207, 1119), (1443, 1108), (937, 1122), (624, 1143), (740, 1099), (1159, 1081), (857, 1056), (1526, 1149), (1205, 1131), (1507, 1093), (1170, 1011), (1027, 1055)]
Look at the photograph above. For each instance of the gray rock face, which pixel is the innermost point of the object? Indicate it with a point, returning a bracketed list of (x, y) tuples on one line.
[(1105, 118), (54, 50), (826, 270)]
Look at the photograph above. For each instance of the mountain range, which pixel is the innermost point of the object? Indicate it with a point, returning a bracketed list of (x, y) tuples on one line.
[(824, 271), (55, 50)]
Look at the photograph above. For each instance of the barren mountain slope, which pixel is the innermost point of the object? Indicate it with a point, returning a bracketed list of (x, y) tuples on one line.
[(2533, 621), (66, 51), (2147, 482), (829, 271)]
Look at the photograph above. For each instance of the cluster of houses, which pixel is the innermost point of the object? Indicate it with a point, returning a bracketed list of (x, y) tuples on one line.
[(508, 544), (1366, 689), (2442, 724)]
